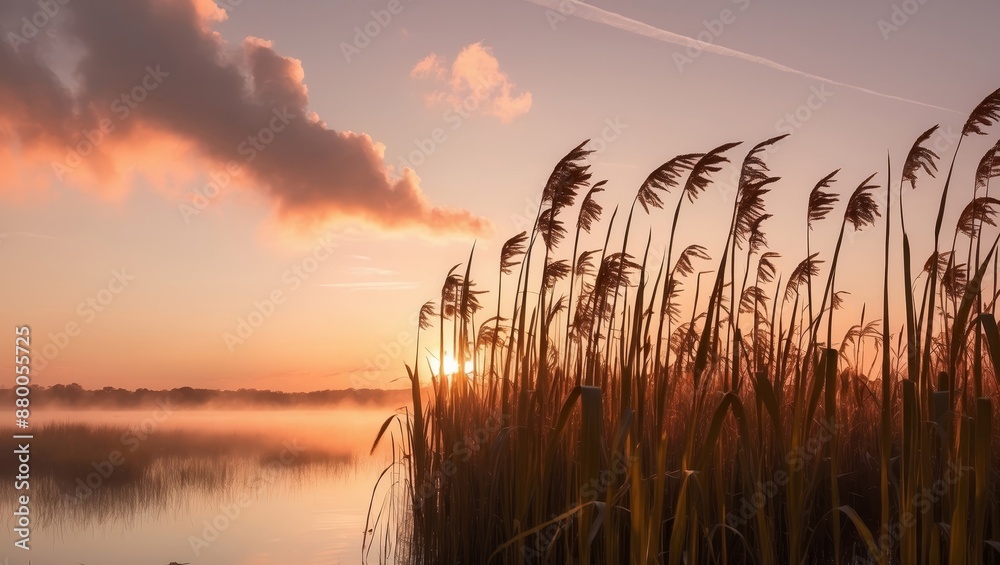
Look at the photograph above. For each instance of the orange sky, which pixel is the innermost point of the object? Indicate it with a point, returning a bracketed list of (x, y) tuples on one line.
[(262, 195)]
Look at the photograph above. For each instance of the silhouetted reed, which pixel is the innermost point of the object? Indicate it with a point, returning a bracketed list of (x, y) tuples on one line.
[(671, 419)]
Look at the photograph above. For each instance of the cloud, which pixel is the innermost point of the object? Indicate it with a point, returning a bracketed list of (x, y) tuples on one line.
[(430, 66), (33, 235), (369, 272), (151, 86), (474, 82), (381, 286)]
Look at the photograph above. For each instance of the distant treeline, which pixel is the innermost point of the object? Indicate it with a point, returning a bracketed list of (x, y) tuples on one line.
[(74, 396)]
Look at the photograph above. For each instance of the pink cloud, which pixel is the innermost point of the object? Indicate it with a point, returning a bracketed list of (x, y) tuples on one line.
[(475, 82), (429, 67), (202, 105)]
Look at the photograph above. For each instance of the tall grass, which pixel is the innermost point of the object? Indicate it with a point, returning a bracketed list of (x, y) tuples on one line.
[(606, 423)]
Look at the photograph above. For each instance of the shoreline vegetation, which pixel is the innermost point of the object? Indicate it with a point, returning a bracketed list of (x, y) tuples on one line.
[(75, 397), (696, 406), (86, 474)]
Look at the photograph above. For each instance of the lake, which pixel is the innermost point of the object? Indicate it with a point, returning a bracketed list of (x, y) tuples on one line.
[(240, 487)]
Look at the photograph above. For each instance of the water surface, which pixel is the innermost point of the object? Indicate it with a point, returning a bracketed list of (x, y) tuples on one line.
[(234, 487)]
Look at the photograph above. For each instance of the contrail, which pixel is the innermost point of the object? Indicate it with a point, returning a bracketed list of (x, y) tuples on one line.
[(618, 21)]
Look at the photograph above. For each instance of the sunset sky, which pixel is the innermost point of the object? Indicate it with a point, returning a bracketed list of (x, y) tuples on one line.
[(169, 168)]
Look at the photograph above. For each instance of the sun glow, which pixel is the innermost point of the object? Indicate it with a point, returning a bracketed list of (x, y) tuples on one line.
[(450, 366)]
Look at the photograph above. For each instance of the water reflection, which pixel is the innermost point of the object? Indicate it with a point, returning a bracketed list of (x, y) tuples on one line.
[(208, 488)]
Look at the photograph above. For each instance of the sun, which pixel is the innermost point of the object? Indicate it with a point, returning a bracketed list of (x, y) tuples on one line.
[(450, 366)]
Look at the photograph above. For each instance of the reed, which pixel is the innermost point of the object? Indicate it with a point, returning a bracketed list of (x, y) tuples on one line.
[(603, 425)]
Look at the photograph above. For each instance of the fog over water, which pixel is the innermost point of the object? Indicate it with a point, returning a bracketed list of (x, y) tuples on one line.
[(238, 487)]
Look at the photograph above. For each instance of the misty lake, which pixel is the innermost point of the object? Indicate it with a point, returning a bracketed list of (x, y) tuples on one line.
[(240, 487)]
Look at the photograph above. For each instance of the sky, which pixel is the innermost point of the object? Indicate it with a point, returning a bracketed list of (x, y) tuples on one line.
[(249, 194)]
